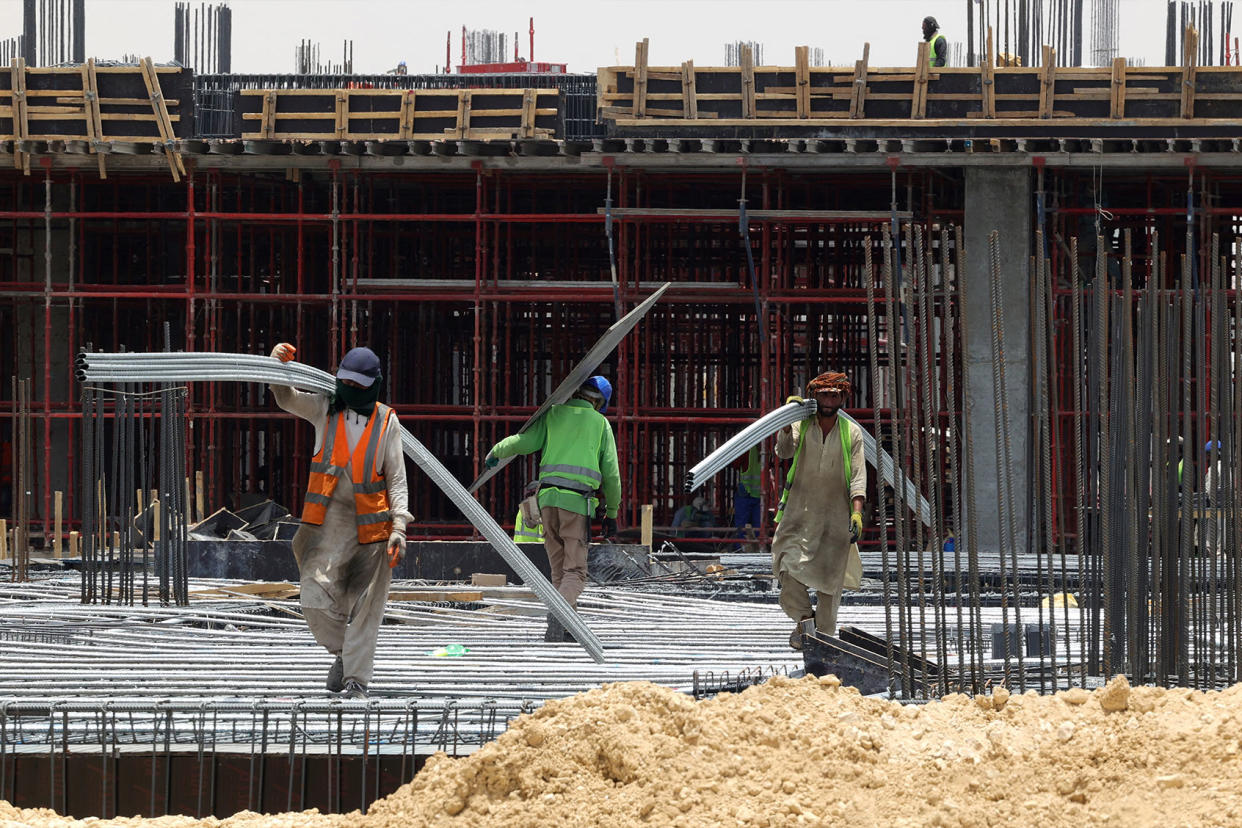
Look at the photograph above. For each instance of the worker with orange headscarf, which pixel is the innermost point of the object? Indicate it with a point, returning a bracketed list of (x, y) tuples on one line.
[(819, 519)]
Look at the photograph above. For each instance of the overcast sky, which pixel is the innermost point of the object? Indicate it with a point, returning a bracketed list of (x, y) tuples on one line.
[(585, 34)]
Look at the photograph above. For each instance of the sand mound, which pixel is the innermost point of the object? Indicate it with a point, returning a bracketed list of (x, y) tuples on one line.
[(809, 752)]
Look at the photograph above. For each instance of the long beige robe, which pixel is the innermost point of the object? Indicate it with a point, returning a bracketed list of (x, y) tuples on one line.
[(345, 583), (812, 542)]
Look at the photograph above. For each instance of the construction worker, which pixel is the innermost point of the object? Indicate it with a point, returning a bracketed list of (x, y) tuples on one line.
[(746, 503), (528, 525), (819, 519), (694, 515), (353, 517), (578, 457), (938, 54)]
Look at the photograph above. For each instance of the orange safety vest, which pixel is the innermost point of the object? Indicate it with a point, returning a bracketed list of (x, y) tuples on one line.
[(373, 513)]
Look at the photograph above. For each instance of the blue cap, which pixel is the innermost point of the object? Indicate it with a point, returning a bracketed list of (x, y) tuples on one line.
[(360, 365)]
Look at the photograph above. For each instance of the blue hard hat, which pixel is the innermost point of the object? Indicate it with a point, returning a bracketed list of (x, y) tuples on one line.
[(360, 365), (1211, 444), (603, 387)]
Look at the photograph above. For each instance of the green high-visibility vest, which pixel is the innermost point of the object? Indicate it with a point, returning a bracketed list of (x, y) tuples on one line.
[(751, 475), (843, 428), (526, 534), (931, 52)]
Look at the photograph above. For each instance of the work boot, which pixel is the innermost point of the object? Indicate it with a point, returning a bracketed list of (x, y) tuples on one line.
[(336, 676), (354, 689), (555, 634), (805, 627)]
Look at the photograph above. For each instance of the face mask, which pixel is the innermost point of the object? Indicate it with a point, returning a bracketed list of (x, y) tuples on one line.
[(361, 400)]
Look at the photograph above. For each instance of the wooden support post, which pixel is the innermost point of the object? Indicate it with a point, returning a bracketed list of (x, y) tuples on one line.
[(858, 94), (75, 544), (1048, 82), (4, 538), (802, 80), (640, 78), (152, 81), (90, 111), (200, 500), (21, 160), (408, 104), (341, 122), (647, 522), (58, 512), (918, 99), (1117, 98), (987, 79), (529, 105), (1190, 59), (463, 114), (155, 521), (267, 119), (748, 82), (689, 95)]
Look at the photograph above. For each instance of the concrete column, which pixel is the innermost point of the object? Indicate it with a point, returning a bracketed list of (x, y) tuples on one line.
[(1001, 199)]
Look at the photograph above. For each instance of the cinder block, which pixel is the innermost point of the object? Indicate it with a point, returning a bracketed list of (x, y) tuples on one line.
[(483, 579)]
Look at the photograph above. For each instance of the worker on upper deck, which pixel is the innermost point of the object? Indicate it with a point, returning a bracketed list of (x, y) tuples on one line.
[(938, 54)]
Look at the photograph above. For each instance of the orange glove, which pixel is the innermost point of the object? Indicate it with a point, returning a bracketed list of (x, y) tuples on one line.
[(396, 549), (284, 352)]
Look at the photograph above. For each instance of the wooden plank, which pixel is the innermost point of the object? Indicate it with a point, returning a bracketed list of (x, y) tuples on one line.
[(1190, 56), (689, 98), (987, 79), (152, 82), (646, 522), (341, 114), (463, 114), (17, 71), (1117, 98), (58, 511), (918, 98), (802, 79), (748, 82), (1048, 82), (528, 114), (640, 78), (408, 103), (858, 92), (94, 125)]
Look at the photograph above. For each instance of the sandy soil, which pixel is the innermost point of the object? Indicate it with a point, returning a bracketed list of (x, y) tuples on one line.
[(809, 752)]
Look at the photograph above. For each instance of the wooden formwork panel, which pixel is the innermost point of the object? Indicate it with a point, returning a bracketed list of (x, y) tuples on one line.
[(690, 95), (400, 114), (97, 104)]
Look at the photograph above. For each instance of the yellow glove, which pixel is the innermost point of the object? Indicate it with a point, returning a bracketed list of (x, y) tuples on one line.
[(793, 398), (855, 527)]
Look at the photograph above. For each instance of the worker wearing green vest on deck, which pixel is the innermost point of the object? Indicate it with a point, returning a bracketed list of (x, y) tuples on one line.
[(578, 457), (819, 519), (747, 512), (528, 525), (938, 54)]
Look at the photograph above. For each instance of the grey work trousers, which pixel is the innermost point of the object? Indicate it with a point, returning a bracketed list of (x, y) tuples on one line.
[(796, 602), (344, 590), (565, 536)]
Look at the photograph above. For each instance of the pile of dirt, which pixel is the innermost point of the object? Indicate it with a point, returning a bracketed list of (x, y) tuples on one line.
[(810, 752)]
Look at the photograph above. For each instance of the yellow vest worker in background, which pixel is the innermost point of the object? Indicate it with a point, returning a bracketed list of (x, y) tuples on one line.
[(353, 516), (938, 54)]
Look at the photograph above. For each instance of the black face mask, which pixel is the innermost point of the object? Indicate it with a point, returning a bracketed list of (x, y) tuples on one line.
[(361, 400)]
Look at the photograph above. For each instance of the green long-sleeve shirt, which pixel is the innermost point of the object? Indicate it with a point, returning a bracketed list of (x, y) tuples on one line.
[(577, 446)]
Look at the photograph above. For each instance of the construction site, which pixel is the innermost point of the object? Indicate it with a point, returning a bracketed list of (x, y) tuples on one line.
[(1021, 248)]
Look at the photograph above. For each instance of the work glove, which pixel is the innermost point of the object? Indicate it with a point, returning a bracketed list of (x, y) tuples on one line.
[(284, 351), (608, 527), (855, 527), (396, 549), (491, 461), (793, 398)]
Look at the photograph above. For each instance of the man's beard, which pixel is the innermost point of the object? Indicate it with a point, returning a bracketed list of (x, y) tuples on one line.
[(828, 410)]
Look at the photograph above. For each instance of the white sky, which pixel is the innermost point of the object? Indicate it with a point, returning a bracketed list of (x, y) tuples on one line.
[(584, 34)]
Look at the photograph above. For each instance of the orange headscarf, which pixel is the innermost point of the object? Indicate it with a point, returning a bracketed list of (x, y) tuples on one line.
[(829, 381)]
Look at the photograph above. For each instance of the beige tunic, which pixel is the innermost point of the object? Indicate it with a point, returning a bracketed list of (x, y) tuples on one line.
[(812, 541), (344, 583)]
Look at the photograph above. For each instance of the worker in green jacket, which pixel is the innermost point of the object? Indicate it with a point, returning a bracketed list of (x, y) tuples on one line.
[(578, 461), (938, 54)]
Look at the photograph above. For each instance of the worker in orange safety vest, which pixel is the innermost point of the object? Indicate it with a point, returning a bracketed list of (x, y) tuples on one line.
[(354, 514)]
